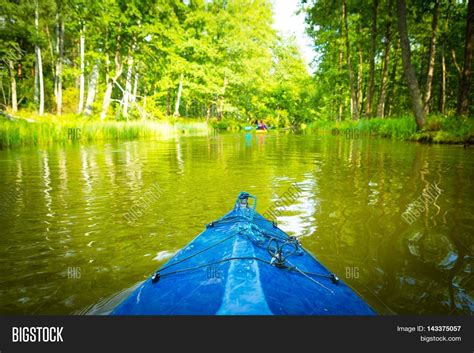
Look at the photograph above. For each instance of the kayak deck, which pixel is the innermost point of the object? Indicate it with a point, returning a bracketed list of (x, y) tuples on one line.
[(243, 264)]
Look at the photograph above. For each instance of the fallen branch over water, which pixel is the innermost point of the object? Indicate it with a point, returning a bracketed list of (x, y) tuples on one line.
[(13, 118)]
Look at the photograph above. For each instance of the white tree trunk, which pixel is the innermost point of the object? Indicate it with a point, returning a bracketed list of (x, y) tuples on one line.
[(92, 89), (59, 67), (36, 82), (128, 87), (13, 85), (81, 77), (39, 65), (40, 79), (178, 99), (106, 102)]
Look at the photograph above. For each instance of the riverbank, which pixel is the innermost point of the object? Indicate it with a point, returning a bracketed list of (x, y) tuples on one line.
[(438, 129), (32, 130), (26, 129)]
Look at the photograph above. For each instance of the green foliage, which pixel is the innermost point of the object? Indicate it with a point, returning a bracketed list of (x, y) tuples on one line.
[(332, 92), (226, 54)]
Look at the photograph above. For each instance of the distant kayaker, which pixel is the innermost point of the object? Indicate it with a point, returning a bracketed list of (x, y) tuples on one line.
[(261, 125)]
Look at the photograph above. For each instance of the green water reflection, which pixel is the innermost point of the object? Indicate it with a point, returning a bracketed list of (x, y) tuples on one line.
[(66, 246)]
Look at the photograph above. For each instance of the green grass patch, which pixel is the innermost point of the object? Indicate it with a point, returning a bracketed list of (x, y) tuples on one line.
[(49, 129), (437, 129)]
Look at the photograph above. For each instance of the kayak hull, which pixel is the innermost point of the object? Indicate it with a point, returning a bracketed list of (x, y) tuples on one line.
[(243, 264)]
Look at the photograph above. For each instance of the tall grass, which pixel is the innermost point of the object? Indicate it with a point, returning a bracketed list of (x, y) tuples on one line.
[(438, 129), (40, 131)]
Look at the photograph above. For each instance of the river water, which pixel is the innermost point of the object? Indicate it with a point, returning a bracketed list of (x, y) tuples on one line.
[(76, 235)]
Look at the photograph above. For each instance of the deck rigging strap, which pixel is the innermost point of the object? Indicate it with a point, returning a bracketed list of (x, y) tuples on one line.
[(199, 252), (275, 246), (274, 249), (214, 263), (311, 279)]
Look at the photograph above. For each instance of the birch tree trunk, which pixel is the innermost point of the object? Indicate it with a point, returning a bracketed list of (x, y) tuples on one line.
[(432, 58), (128, 87), (3, 93), (178, 98), (370, 85), (386, 62), (81, 77), (36, 83), (55, 54), (39, 64), (59, 67), (11, 68), (92, 89), (354, 110), (410, 74), (465, 84)]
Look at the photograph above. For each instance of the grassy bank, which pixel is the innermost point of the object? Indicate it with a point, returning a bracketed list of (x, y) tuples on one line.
[(30, 129), (48, 129), (438, 129)]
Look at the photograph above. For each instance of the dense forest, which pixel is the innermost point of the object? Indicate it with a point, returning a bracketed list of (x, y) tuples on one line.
[(131, 59), (384, 58), (223, 59)]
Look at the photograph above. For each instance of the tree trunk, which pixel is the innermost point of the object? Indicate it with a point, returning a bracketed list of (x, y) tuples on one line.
[(354, 110), (3, 93), (392, 82), (40, 79), (455, 62), (386, 62), (465, 84), (168, 102), (36, 83), (360, 74), (221, 100), (128, 87), (432, 57), (92, 89), (54, 55), (11, 68), (370, 84), (178, 99), (110, 82), (106, 101), (59, 67), (339, 89), (208, 112), (442, 86), (39, 65), (81, 77), (410, 74)]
